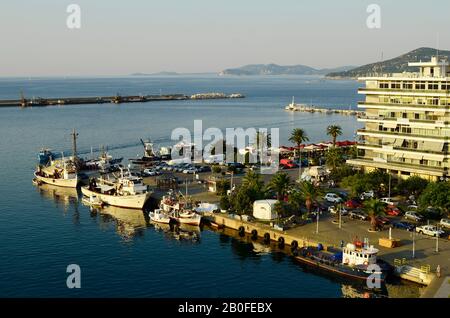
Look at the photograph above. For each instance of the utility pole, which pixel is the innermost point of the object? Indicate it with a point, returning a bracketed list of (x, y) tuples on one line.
[(437, 241), (317, 223), (413, 244), (299, 163), (389, 171), (340, 215)]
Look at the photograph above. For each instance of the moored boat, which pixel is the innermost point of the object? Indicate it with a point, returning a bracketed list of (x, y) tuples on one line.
[(126, 191), (159, 216), (61, 173), (355, 261)]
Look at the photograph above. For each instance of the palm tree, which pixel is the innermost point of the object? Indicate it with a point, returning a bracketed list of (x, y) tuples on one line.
[(298, 136), (334, 158), (334, 131), (374, 208), (280, 184), (309, 193)]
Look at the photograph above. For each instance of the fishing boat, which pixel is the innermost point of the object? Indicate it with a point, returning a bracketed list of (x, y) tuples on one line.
[(62, 173), (126, 191), (149, 157), (355, 261), (159, 216), (186, 217)]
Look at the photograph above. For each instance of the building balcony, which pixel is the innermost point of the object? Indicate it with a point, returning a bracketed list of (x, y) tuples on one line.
[(432, 154), (431, 122), (402, 91), (440, 108), (431, 137), (400, 166)]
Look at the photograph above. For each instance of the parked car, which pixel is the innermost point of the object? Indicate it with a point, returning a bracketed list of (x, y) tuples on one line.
[(430, 230), (445, 223), (388, 201), (352, 204), (358, 215), (404, 225), (383, 220), (288, 163), (367, 195), (332, 197), (392, 210), (334, 210), (412, 215)]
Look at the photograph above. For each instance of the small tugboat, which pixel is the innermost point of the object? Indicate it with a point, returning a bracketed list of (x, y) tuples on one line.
[(353, 262), (127, 191), (61, 173)]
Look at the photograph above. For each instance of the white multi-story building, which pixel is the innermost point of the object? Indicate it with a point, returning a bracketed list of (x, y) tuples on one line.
[(407, 119)]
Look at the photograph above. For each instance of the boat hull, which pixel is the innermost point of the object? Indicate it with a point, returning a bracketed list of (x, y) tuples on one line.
[(129, 201), (189, 221), (158, 219), (351, 273), (68, 183)]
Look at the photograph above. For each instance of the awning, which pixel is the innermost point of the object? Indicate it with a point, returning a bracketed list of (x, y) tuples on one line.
[(434, 146), (390, 124), (398, 142)]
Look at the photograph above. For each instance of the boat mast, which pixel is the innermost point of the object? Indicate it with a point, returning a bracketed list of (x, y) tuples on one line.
[(74, 143)]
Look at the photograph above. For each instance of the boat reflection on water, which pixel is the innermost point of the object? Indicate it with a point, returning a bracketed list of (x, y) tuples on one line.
[(60, 195), (129, 223), (179, 232)]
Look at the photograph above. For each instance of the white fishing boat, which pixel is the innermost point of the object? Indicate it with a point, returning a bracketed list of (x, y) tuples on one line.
[(126, 191), (61, 173), (186, 217), (159, 216)]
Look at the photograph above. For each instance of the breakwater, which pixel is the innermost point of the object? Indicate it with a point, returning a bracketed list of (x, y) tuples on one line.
[(116, 99)]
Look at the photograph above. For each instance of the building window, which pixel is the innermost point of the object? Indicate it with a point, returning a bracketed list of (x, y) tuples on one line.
[(433, 86), (384, 85), (404, 115), (407, 85), (416, 116), (420, 85)]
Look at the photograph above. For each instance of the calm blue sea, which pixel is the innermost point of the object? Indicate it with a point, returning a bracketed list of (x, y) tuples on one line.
[(120, 254)]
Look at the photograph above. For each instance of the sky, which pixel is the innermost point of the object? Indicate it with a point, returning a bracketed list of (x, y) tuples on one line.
[(193, 36)]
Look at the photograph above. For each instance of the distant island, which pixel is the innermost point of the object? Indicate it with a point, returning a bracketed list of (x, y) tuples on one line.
[(274, 69), (396, 65)]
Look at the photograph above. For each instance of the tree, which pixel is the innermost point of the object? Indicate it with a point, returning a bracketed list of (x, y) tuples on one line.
[(413, 185), (374, 208), (298, 136), (280, 184), (224, 202), (295, 201), (216, 169), (222, 186), (437, 195), (334, 158), (310, 193), (334, 131)]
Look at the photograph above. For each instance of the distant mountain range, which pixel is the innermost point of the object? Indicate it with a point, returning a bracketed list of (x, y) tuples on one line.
[(274, 69), (396, 65)]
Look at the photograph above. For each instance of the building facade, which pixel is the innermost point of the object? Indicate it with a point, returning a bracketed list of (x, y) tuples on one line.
[(407, 119)]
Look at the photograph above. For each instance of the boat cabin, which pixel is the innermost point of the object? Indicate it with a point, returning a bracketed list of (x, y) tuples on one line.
[(352, 255)]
